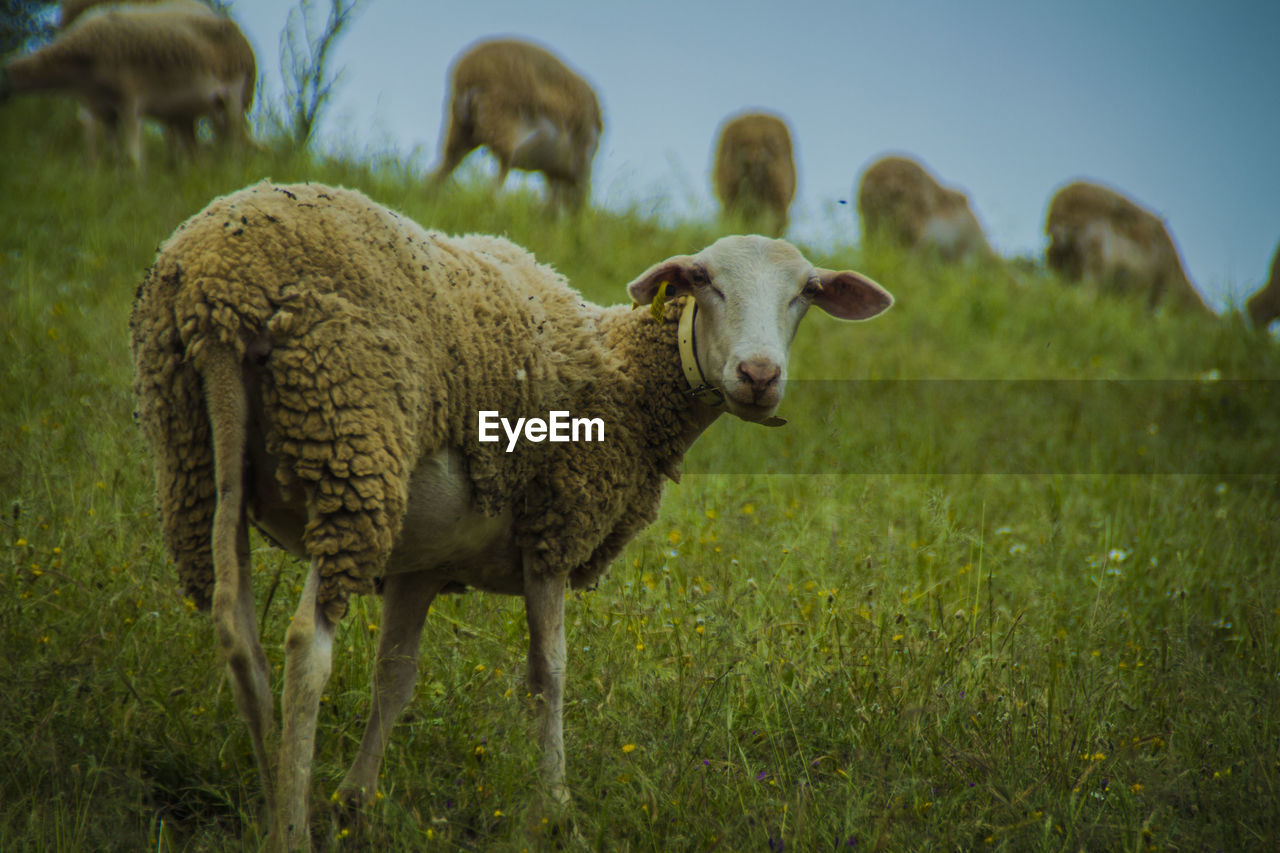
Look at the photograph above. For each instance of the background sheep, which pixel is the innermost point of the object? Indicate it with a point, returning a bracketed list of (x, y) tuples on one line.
[(70, 10), (755, 170), (323, 361), (176, 62), (899, 200), (530, 110), (1264, 306), (1097, 233)]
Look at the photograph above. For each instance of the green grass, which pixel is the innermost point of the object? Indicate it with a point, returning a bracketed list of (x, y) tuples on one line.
[(926, 655)]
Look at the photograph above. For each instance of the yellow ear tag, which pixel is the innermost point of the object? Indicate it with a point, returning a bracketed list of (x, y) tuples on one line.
[(658, 308)]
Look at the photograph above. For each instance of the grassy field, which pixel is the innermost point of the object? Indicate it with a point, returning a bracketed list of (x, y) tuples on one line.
[(925, 615)]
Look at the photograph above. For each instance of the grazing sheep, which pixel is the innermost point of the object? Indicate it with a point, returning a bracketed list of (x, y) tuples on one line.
[(900, 200), (1096, 233), (530, 110), (324, 362), (755, 170), (1264, 306), (70, 10), (176, 62)]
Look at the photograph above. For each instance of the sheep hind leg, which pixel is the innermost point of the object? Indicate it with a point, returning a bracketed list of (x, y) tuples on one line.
[(308, 650), (406, 599), (233, 610), (544, 610), (458, 144)]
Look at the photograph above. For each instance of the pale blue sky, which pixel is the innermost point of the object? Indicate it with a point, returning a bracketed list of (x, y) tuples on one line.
[(1177, 104)]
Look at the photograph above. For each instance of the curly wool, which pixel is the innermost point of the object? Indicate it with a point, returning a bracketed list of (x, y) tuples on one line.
[(382, 343)]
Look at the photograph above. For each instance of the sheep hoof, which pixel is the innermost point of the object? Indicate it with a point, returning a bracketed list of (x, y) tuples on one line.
[(348, 808), (550, 817)]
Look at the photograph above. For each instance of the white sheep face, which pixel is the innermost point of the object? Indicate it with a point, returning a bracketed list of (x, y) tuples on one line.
[(751, 294)]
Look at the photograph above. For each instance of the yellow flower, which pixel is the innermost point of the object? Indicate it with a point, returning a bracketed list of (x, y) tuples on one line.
[(628, 747), (748, 509), (711, 514)]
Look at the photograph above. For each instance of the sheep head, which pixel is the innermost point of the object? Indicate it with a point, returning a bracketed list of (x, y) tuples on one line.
[(751, 293)]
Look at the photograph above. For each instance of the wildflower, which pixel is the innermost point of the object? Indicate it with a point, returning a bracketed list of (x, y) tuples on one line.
[(711, 514), (479, 667), (21, 542), (373, 628), (628, 747), (1117, 555), (1136, 787), (748, 509)]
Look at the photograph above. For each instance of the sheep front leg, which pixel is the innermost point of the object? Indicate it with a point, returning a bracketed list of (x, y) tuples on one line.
[(405, 601), (308, 651), (544, 610)]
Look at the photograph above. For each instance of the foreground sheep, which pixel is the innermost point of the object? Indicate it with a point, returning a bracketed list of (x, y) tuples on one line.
[(325, 362), (530, 110), (1264, 306), (1096, 233), (175, 62), (755, 170), (899, 200)]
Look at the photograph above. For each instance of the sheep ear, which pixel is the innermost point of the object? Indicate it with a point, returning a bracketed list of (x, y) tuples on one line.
[(680, 273), (850, 295)]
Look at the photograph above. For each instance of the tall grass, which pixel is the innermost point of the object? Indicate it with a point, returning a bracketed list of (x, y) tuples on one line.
[(905, 650)]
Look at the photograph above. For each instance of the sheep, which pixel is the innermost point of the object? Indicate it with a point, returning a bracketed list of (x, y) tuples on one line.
[(317, 364), (1264, 306), (898, 199), (1095, 232), (70, 10), (755, 170), (175, 61), (530, 110)]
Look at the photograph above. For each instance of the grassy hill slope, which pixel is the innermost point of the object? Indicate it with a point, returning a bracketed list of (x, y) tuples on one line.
[(1008, 579)]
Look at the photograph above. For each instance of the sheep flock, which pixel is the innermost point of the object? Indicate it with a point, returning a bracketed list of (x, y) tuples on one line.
[(318, 367)]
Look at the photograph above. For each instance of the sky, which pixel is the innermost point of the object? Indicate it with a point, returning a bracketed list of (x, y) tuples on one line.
[(1174, 103)]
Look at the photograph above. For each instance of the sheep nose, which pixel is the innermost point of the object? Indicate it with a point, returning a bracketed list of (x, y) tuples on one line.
[(759, 373)]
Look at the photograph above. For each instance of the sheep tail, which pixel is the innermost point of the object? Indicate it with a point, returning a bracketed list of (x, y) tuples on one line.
[(228, 407)]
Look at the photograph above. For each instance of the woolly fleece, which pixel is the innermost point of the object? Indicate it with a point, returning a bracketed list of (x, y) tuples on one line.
[(375, 343)]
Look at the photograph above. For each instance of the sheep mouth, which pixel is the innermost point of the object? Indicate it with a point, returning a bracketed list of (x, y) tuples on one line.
[(753, 412)]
